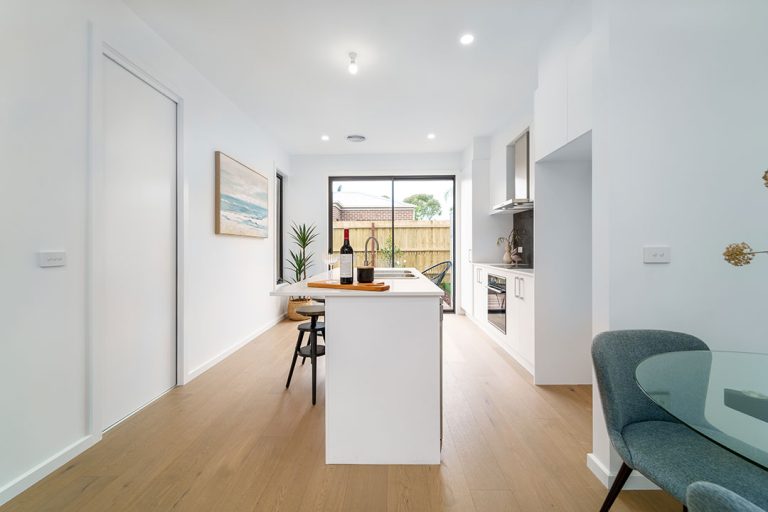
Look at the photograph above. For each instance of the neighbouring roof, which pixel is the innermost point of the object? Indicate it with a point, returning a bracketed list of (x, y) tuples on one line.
[(360, 200)]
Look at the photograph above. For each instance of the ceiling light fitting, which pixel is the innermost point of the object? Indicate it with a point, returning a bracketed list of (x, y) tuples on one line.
[(356, 138), (325, 138), (352, 63), (431, 136), (467, 39)]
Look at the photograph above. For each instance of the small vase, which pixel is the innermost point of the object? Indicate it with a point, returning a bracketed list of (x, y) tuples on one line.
[(507, 259)]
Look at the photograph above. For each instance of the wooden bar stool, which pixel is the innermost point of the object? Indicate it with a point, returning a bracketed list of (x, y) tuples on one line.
[(312, 350)]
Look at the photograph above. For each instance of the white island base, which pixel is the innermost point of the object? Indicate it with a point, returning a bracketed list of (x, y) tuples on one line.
[(383, 372)]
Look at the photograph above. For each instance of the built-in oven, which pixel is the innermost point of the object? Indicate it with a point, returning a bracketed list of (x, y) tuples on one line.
[(497, 302)]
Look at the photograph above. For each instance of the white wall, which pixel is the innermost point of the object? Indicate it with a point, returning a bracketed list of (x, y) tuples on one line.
[(44, 139), (681, 98), (563, 271), (486, 228), (465, 293), (306, 189)]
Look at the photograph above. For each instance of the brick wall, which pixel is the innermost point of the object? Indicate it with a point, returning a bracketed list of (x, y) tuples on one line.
[(379, 214)]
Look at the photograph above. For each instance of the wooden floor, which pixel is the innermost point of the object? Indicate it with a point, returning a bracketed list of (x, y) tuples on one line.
[(234, 439)]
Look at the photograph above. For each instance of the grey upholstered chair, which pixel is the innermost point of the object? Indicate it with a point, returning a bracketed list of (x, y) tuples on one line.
[(707, 497), (650, 440)]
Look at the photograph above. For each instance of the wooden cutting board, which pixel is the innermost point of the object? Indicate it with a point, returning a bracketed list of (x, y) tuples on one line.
[(365, 287)]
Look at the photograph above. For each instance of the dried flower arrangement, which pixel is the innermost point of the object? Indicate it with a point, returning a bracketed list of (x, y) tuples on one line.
[(512, 240), (741, 254)]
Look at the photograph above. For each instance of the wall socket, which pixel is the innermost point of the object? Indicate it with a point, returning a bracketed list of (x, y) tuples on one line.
[(51, 259), (657, 254)]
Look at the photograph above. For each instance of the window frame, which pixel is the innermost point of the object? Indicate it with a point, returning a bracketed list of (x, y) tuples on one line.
[(392, 179), (279, 227)]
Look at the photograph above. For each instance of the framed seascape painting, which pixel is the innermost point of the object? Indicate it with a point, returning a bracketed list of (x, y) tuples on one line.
[(242, 199)]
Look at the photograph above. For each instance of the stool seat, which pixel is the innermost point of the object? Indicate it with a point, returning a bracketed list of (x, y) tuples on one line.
[(307, 326), (313, 310)]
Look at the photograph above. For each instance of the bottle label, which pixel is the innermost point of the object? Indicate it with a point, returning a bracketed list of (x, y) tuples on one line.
[(346, 265)]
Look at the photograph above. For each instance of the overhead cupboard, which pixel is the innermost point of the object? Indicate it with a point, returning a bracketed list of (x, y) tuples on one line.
[(563, 100)]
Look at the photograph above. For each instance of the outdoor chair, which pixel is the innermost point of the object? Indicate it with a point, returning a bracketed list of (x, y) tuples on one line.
[(436, 273)]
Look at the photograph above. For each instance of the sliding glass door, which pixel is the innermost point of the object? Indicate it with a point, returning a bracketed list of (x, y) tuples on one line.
[(412, 217)]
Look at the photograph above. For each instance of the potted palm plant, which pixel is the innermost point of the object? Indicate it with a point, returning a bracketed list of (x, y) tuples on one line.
[(299, 262)]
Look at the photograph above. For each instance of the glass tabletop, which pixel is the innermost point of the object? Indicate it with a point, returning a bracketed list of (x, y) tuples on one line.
[(721, 395)]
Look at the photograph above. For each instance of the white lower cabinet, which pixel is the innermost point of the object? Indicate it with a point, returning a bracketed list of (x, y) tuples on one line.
[(480, 297), (520, 318), (519, 339)]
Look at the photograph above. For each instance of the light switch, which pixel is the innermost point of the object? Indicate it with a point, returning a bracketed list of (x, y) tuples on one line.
[(51, 258), (657, 254)]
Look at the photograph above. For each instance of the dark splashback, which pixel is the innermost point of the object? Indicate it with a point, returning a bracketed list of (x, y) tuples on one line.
[(523, 222)]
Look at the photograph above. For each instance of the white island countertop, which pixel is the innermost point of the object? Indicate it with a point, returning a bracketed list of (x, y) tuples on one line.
[(418, 286)]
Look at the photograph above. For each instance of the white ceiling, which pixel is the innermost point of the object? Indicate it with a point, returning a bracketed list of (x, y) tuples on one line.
[(285, 63)]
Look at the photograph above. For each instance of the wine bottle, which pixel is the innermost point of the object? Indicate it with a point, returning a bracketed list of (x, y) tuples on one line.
[(346, 261)]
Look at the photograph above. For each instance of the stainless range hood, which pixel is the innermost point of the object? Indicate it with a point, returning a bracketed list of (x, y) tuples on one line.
[(518, 177)]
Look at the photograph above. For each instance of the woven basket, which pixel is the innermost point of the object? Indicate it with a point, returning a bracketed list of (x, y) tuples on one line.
[(297, 303)]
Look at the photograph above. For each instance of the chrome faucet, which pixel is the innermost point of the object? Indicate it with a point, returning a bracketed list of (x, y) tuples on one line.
[(366, 248)]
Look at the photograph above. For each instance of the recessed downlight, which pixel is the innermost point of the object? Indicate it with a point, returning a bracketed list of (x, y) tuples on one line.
[(325, 138), (431, 136), (356, 138), (352, 68), (467, 39)]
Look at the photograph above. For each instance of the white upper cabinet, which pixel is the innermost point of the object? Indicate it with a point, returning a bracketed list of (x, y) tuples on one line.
[(563, 100), (580, 89), (498, 177), (550, 108)]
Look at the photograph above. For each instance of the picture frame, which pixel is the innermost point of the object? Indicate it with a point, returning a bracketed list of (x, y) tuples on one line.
[(242, 199)]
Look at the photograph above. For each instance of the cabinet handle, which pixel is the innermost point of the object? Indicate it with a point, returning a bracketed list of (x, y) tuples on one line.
[(516, 292), (522, 289)]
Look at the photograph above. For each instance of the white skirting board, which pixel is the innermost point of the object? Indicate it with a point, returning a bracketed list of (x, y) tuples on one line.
[(517, 357), (196, 372), (37, 473), (636, 482)]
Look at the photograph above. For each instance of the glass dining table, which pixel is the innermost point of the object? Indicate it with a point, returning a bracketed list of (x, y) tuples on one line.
[(721, 395)]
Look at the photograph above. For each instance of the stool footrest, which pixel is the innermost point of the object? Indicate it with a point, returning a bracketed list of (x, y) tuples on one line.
[(307, 326), (305, 352)]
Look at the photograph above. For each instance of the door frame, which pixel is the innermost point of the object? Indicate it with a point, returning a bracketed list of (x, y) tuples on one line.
[(99, 48), (402, 177)]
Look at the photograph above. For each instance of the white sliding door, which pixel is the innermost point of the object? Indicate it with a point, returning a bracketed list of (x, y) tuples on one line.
[(136, 345)]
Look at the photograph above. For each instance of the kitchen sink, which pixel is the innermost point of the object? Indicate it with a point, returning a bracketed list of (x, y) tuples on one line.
[(393, 274)]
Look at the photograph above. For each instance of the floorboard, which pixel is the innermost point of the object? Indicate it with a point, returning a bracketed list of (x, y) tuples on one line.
[(235, 439)]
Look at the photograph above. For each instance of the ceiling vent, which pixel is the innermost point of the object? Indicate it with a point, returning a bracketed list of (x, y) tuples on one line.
[(356, 138)]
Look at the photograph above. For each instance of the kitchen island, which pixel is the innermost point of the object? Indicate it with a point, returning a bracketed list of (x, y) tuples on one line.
[(383, 369)]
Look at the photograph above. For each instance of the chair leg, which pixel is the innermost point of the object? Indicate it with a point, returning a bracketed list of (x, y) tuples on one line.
[(313, 354), (618, 484), (319, 333), (295, 356), (685, 509), (304, 359)]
